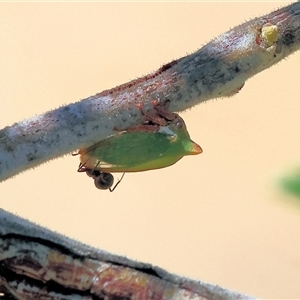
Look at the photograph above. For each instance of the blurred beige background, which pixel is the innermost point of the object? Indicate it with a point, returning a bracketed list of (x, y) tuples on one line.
[(216, 217)]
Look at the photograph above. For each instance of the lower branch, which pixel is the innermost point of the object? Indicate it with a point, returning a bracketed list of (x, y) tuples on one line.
[(36, 263)]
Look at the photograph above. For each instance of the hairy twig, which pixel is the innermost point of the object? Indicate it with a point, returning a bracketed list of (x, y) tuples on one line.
[(219, 69)]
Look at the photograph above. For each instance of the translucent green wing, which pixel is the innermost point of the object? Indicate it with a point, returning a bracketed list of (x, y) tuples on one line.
[(135, 151), (130, 149)]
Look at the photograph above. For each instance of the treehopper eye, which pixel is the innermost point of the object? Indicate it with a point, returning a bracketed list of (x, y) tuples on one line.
[(137, 151)]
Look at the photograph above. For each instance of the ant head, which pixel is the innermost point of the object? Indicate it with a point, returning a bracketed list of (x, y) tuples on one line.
[(104, 181)]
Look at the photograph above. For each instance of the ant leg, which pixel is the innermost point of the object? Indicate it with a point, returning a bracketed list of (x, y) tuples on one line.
[(159, 115), (111, 190), (162, 110)]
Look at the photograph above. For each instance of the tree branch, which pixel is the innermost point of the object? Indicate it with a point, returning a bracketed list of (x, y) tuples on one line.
[(83, 270), (219, 69)]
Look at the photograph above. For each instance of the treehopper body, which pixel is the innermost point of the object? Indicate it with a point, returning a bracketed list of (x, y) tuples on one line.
[(130, 151)]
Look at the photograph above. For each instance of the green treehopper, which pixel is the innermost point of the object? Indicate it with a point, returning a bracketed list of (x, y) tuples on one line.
[(136, 151)]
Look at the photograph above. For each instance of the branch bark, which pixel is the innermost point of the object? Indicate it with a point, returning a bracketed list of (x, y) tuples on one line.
[(219, 69), (83, 271)]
